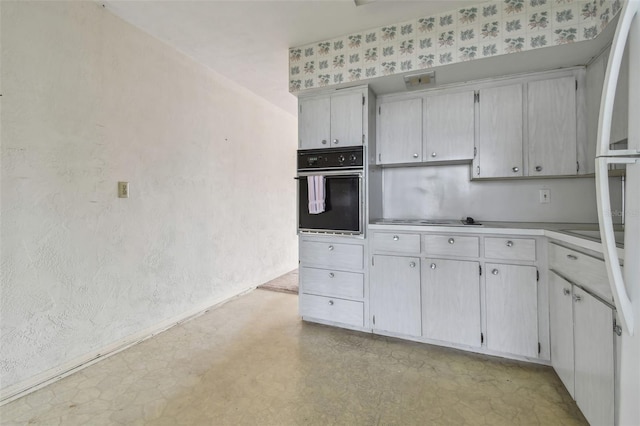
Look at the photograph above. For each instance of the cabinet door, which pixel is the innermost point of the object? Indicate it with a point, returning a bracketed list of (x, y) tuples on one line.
[(449, 127), (346, 119), (561, 325), (551, 127), (499, 132), (594, 367), (313, 123), (400, 132), (395, 294), (512, 309), (451, 301)]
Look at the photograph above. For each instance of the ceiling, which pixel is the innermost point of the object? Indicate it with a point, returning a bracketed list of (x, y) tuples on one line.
[(247, 41)]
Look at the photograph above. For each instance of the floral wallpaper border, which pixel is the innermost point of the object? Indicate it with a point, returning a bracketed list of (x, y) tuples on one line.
[(492, 28)]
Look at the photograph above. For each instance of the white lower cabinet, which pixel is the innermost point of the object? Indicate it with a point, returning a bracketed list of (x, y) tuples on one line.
[(561, 324), (451, 301), (395, 294), (512, 309), (582, 348), (332, 280)]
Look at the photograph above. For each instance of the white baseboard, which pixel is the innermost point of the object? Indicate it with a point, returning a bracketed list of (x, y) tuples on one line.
[(45, 378)]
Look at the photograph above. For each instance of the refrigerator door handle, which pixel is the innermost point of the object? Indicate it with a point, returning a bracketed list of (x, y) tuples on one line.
[(629, 10), (610, 252)]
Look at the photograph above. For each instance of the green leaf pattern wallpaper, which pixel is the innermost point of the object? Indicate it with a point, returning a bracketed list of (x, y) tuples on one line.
[(492, 28)]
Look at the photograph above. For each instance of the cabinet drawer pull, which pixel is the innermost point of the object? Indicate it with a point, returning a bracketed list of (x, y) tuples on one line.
[(538, 168), (509, 243), (331, 302), (331, 275), (577, 298), (412, 264), (324, 141), (516, 169), (396, 238), (451, 241), (433, 154), (433, 266), (330, 248), (415, 155), (566, 291), (495, 272), (572, 257), (335, 141)]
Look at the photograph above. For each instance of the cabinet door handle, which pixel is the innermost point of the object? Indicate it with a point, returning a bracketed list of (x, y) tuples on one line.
[(335, 141), (324, 141), (538, 168), (412, 264), (495, 272), (331, 275), (330, 248), (330, 302), (415, 155), (572, 257), (433, 266), (566, 291), (509, 243), (451, 241), (516, 169), (577, 298), (396, 238), (434, 155)]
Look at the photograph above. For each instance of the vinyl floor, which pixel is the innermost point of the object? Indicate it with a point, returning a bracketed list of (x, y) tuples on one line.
[(252, 361)]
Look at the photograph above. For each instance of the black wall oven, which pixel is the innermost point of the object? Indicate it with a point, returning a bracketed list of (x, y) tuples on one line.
[(343, 173)]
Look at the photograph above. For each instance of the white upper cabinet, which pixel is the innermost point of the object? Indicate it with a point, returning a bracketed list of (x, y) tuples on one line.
[(314, 116), (551, 127), (331, 121), (400, 131), (346, 119), (449, 127), (499, 132)]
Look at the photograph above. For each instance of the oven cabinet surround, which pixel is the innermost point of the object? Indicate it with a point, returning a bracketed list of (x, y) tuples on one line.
[(582, 325), (333, 281), (438, 287), (335, 119), (429, 128)]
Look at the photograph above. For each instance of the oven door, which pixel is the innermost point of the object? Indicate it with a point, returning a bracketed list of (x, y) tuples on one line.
[(344, 205)]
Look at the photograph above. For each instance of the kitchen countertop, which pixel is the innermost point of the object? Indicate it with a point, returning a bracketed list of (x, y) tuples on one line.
[(558, 231)]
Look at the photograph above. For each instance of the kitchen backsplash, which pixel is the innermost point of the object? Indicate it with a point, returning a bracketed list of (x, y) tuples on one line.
[(445, 192), (487, 29)]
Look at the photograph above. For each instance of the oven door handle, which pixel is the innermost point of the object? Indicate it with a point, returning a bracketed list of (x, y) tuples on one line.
[(331, 175)]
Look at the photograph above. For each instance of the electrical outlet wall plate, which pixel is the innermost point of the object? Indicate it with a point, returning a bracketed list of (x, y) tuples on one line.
[(545, 196), (123, 189)]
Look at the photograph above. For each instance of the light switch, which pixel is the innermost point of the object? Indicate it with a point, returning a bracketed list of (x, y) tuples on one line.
[(123, 189)]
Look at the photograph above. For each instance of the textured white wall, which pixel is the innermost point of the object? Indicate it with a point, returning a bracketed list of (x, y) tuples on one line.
[(89, 100)]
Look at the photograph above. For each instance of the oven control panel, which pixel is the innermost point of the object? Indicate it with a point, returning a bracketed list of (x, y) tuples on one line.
[(312, 159)]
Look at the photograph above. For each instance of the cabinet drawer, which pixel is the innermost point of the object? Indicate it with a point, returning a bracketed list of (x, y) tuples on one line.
[(332, 255), (396, 242), (332, 309), (349, 285), (452, 245), (510, 248), (581, 269)]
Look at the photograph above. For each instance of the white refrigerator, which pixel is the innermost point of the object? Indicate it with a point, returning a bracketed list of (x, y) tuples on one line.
[(625, 282)]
